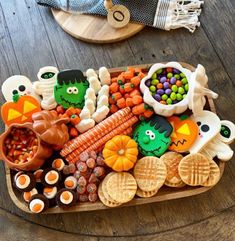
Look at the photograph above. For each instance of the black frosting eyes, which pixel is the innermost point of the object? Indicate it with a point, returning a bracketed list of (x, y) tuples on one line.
[(199, 123), (15, 92), (21, 88), (205, 128)]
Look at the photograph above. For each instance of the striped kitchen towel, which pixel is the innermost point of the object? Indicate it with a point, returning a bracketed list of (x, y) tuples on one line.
[(163, 14)]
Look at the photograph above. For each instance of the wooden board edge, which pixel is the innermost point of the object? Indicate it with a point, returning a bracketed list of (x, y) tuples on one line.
[(137, 201)]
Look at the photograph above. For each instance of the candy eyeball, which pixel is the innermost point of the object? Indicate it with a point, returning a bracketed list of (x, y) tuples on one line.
[(70, 90), (75, 90)]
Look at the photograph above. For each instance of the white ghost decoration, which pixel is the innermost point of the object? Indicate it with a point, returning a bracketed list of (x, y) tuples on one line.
[(219, 145), (18, 84), (208, 126), (198, 90)]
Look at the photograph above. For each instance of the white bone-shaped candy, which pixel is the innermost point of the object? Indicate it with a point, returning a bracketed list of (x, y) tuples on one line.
[(18, 84), (103, 91), (94, 84), (90, 106), (100, 114), (85, 114), (85, 125), (104, 76), (91, 73), (90, 94), (103, 101)]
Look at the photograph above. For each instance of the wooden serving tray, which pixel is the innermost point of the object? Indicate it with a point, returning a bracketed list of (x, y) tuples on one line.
[(165, 193)]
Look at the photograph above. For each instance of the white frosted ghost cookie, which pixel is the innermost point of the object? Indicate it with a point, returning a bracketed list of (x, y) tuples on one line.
[(18, 84), (208, 126)]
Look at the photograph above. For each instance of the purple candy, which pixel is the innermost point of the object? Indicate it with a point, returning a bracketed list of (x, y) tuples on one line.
[(166, 85), (176, 71), (168, 91), (160, 91), (173, 80), (148, 82), (157, 97), (163, 79)]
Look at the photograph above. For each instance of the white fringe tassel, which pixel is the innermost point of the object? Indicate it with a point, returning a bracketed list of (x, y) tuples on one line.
[(183, 13)]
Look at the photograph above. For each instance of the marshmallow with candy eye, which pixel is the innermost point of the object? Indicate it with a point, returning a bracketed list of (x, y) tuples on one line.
[(18, 84)]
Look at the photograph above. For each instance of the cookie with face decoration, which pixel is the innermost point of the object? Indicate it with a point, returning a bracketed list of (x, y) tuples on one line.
[(219, 145), (153, 136), (71, 88), (18, 84), (208, 126)]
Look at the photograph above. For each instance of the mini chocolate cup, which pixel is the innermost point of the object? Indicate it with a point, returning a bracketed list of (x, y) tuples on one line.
[(63, 205), (41, 197), (44, 182), (43, 152), (30, 186)]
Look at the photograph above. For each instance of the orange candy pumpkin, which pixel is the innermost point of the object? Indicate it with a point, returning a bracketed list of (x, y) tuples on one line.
[(120, 153), (185, 132), (20, 111)]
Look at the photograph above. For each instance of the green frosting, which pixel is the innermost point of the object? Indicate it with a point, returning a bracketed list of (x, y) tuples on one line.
[(153, 136), (70, 88)]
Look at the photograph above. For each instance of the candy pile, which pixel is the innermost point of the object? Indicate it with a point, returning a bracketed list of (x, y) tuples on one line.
[(20, 145), (168, 86), (125, 92), (90, 171)]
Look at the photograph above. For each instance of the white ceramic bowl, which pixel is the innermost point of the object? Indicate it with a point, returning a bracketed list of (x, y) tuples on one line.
[(161, 109)]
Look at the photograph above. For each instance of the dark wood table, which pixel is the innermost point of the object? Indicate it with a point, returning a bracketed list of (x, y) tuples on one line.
[(30, 39)]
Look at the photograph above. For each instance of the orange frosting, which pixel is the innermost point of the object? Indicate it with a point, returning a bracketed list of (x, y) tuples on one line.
[(37, 207), (52, 176), (22, 180), (69, 183), (58, 163), (65, 195)]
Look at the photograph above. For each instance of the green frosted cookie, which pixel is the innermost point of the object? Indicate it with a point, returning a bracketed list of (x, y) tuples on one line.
[(70, 88), (153, 136)]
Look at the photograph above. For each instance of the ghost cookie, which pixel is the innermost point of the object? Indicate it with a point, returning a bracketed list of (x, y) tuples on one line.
[(70, 88), (45, 86), (219, 145), (208, 125), (18, 84), (153, 136)]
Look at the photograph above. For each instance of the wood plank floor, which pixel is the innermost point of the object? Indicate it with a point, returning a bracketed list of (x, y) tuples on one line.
[(30, 39)]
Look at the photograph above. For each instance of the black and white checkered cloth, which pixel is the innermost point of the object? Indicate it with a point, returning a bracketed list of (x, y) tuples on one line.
[(163, 14)]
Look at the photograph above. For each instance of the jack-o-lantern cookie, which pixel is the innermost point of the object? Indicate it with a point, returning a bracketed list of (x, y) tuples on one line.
[(185, 132), (20, 111)]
